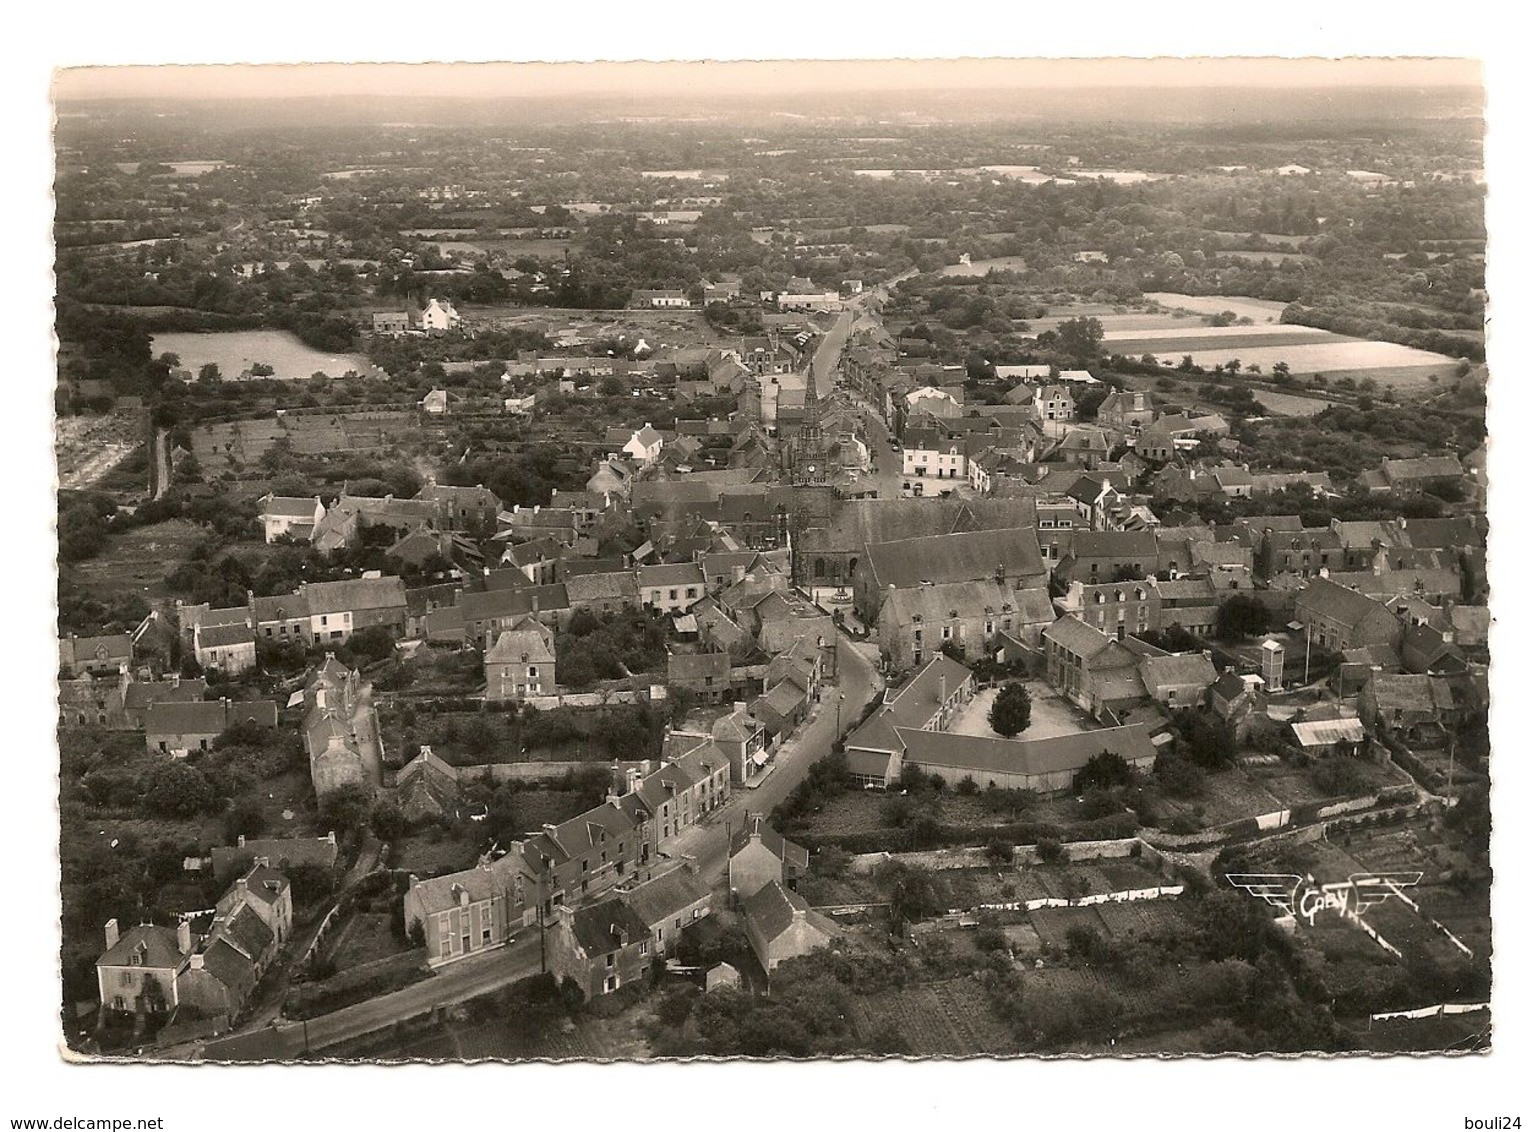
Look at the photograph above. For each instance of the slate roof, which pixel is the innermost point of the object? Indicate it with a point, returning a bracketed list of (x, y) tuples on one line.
[(205, 717), (772, 911), (591, 588), (527, 642), (912, 705), (355, 594), (222, 636), (1139, 545), (1336, 603), (661, 899), (957, 558), (697, 666), (160, 947), (1190, 668), (493, 604), (140, 694), (1076, 637), (289, 507), (480, 883), (979, 753), (600, 928), (788, 852), (671, 574)]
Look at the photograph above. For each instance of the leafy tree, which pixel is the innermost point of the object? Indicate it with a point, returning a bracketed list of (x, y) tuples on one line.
[(245, 817), (1011, 713), (347, 809), (388, 821), (912, 894), (1104, 771), (1205, 738), (177, 790), (1241, 616), (1179, 777), (1000, 851), (1081, 338)]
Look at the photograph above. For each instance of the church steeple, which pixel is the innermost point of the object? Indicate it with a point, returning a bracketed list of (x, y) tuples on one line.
[(807, 456)]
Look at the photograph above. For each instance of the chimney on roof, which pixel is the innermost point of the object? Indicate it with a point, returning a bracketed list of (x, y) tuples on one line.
[(330, 837), (263, 862), (241, 841), (414, 880), (197, 961), (111, 933), (183, 937), (242, 886)]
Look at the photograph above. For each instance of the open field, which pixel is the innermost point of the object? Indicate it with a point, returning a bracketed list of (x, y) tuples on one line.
[(1187, 338), (1406, 366), (1257, 310), (139, 560), (1286, 405), (535, 247), (234, 351), (658, 327), (985, 266)]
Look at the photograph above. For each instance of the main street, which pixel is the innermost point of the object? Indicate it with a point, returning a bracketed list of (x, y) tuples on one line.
[(840, 707), (465, 979)]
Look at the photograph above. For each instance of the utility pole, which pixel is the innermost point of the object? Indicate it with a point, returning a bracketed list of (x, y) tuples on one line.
[(1452, 758), (1308, 641)]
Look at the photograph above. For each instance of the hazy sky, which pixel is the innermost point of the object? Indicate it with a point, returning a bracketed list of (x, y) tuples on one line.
[(480, 80)]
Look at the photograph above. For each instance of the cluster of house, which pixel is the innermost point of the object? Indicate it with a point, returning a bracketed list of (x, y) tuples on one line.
[(208, 965), (608, 898), (436, 316)]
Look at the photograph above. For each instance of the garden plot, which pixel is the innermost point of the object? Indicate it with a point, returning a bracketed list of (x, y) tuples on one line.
[(1143, 918), (1228, 796), (140, 559), (1053, 924), (951, 1018)]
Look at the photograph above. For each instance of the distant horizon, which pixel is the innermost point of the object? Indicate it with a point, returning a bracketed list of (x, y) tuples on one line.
[(746, 78)]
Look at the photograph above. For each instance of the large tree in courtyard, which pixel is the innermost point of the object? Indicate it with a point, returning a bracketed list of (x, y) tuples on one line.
[(1011, 713)]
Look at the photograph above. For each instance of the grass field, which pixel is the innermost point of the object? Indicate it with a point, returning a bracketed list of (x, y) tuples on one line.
[(1257, 310), (141, 559)]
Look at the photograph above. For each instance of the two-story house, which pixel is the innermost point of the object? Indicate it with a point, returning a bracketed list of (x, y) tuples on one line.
[(470, 911), (521, 663)]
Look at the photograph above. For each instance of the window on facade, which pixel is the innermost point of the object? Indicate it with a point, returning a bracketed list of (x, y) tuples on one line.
[(531, 670), (643, 948), (611, 960), (946, 632), (672, 595)]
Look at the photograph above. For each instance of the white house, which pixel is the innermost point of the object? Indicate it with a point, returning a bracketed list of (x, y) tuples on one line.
[(287, 515), (440, 315), (645, 445)]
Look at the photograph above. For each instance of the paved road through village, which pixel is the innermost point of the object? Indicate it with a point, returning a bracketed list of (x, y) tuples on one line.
[(840, 706)]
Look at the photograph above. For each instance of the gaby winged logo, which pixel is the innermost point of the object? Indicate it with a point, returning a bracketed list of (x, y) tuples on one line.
[(1303, 896)]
